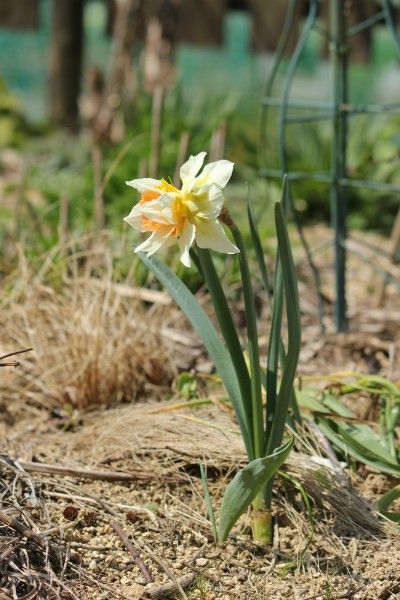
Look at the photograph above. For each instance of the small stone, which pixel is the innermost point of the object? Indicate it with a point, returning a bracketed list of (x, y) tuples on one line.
[(92, 565), (201, 562)]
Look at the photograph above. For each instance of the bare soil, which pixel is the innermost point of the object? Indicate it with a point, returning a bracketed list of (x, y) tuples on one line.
[(343, 551), (334, 555)]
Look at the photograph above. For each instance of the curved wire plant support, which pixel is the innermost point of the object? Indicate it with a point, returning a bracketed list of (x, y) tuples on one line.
[(279, 53), (338, 111)]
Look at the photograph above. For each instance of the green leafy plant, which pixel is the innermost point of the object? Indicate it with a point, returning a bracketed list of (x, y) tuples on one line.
[(165, 212), (374, 446)]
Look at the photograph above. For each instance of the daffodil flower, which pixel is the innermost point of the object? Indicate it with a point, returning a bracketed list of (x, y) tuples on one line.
[(188, 214)]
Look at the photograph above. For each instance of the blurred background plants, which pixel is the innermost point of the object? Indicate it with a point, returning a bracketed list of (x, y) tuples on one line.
[(196, 107)]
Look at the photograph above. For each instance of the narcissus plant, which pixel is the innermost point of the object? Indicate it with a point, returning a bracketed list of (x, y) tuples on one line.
[(194, 217)]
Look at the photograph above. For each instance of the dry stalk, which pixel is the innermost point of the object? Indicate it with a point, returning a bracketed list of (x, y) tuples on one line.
[(158, 100), (92, 474), (182, 155), (163, 591), (13, 363), (133, 552)]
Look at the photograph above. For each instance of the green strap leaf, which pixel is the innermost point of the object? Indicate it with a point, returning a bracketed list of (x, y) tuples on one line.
[(271, 380), (245, 486), (294, 329), (229, 332), (255, 238), (359, 440), (275, 306), (206, 331), (347, 446), (208, 501), (386, 500)]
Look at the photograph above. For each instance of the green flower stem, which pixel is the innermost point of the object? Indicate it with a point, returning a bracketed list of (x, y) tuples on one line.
[(254, 352), (294, 331), (261, 521), (271, 383), (266, 283), (230, 335)]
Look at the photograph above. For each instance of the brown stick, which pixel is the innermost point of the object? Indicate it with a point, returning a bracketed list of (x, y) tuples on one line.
[(97, 502), (171, 587), (132, 551), (174, 580), (24, 530), (127, 291), (14, 363), (92, 474)]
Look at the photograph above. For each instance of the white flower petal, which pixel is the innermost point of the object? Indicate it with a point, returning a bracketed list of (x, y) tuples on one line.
[(158, 210), (164, 242), (210, 200), (186, 240), (191, 167), (147, 244), (146, 183), (153, 243), (212, 235), (218, 173), (135, 218)]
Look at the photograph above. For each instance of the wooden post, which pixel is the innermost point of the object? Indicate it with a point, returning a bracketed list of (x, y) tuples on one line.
[(66, 62), (19, 14)]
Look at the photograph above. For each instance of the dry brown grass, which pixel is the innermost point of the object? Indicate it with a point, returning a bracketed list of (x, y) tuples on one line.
[(92, 342)]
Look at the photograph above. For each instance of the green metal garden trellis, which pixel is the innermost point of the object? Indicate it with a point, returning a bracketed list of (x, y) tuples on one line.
[(338, 111)]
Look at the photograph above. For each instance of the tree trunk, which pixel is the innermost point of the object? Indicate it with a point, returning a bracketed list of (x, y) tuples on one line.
[(66, 62), (19, 14)]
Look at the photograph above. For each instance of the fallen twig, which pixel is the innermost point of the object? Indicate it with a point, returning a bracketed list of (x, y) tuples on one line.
[(23, 530), (171, 587), (97, 502), (132, 551), (14, 363), (129, 291), (175, 585), (92, 474)]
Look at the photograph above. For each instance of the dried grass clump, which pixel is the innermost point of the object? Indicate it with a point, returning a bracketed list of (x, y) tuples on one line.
[(92, 344)]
